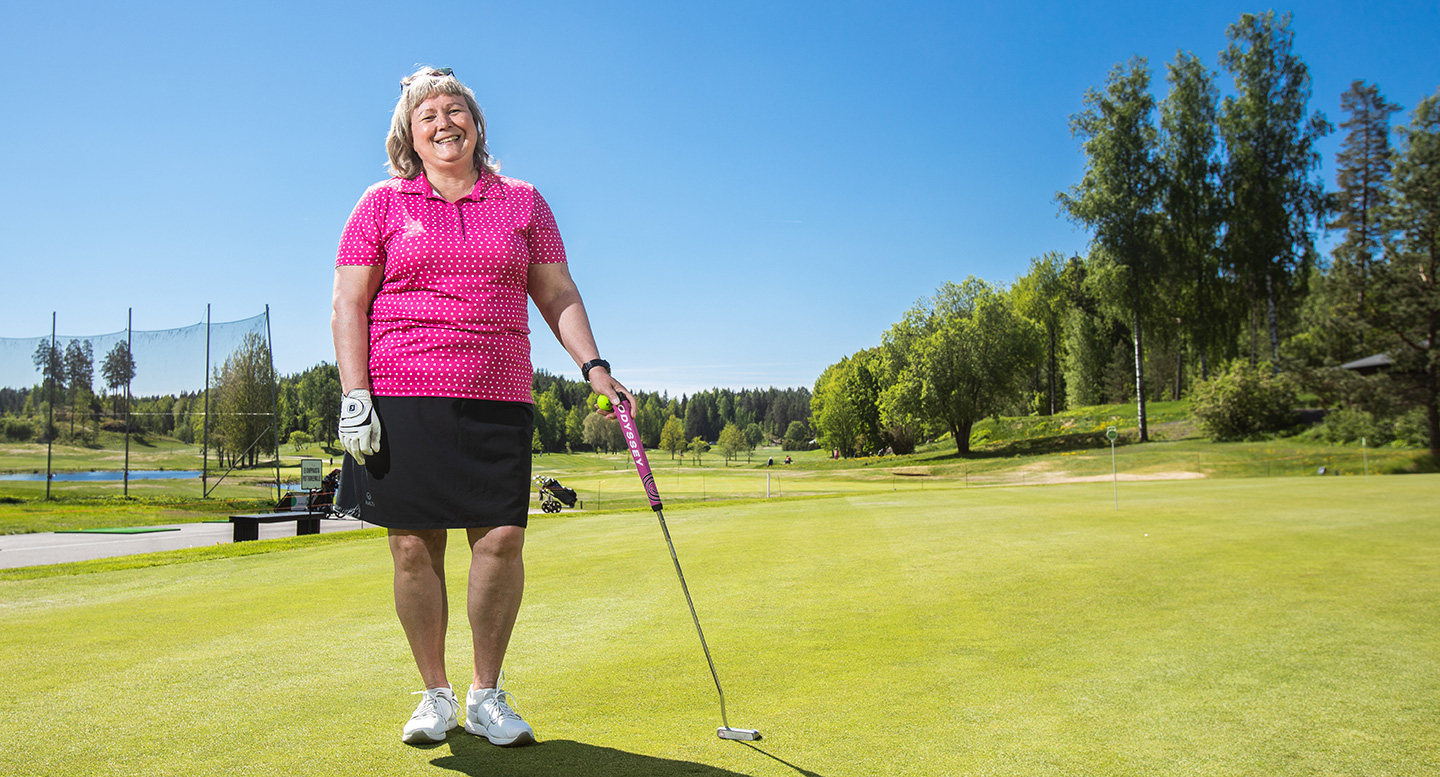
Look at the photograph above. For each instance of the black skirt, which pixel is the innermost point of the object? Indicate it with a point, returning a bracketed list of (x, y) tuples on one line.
[(444, 463)]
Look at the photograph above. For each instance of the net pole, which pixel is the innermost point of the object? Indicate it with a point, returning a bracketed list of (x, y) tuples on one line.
[(50, 411), (129, 329), (205, 440), (274, 402)]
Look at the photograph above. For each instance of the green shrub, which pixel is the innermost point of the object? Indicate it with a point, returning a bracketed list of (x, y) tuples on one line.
[(1244, 402), (1351, 425), (1346, 424), (1411, 429), (299, 439), (18, 429), (796, 438)]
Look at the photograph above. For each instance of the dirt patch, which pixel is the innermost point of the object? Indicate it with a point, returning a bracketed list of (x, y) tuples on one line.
[(911, 472)]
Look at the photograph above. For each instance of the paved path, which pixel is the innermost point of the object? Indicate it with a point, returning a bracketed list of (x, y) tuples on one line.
[(28, 550)]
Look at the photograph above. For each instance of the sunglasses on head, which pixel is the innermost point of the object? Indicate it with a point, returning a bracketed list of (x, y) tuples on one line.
[(439, 72)]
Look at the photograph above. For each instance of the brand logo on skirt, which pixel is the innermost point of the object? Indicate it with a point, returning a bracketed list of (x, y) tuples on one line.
[(368, 500)]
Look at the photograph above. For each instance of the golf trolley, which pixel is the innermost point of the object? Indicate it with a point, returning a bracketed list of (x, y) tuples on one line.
[(553, 496), (315, 500)]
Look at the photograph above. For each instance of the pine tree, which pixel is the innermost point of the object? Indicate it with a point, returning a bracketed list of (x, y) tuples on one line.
[(1363, 173), (118, 369), (1334, 327), (1406, 304), (79, 374)]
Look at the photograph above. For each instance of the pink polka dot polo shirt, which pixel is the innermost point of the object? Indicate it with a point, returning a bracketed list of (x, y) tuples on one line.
[(450, 318)]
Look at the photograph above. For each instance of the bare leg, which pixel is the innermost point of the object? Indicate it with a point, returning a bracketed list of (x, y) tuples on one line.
[(497, 583), (420, 598)]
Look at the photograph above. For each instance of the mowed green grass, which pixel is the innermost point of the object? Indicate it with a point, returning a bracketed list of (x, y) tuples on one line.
[(1255, 626), (108, 453)]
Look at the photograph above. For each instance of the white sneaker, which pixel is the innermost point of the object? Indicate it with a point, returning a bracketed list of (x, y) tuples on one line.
[(488, 714), (436, 715)]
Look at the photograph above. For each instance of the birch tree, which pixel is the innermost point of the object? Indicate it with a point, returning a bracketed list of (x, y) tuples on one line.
[(1189, 190), (1118, 199), (1270, 142)]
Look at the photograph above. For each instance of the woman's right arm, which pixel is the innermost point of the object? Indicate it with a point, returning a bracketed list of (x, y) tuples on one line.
[(355, 288)]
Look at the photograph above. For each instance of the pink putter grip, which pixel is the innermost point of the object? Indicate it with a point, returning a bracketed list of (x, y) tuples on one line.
[(637, 452)]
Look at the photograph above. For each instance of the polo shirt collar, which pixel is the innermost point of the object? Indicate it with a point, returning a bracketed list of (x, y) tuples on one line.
[(488, 187)]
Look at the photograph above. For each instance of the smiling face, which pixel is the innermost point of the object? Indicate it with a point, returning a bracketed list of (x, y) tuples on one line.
[(444, 134)]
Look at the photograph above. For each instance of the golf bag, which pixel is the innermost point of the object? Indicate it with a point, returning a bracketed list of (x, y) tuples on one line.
[(553, 495)]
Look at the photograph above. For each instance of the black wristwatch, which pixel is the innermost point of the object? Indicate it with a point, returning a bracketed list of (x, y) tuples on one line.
[(586, 367)]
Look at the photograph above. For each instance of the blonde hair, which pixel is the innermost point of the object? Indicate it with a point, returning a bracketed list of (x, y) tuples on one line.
[(416, 88)]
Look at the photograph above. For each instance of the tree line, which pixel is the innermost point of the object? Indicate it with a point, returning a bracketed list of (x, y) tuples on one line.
[(1202, 261), (245, 394), (240, 411), (68, 375), (735, 420)]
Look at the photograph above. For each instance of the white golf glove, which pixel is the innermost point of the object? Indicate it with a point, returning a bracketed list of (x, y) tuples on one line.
[(359, 425)]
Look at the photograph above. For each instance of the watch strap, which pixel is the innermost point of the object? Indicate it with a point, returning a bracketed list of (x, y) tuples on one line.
[(587, 366)]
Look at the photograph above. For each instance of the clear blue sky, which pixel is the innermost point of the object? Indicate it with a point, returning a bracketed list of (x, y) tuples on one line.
[(748, 190)]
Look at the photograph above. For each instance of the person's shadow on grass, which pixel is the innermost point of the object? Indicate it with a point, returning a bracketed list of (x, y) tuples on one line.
[(564, 758)]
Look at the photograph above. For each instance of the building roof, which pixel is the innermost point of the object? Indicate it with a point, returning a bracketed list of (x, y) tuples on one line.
[(1368, 364)]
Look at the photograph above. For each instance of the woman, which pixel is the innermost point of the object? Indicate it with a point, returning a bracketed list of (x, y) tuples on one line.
[(431, 337)]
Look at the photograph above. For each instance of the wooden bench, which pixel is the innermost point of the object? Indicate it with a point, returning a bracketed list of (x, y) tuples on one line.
[(247, 527)]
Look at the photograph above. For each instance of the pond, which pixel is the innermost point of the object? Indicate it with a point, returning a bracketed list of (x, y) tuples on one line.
[(135, 474)]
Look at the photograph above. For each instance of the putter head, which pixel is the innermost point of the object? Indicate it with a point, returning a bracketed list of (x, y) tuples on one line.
[(738, 734)]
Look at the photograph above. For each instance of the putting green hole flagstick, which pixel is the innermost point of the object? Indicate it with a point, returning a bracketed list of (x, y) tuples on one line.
[(642, 465)]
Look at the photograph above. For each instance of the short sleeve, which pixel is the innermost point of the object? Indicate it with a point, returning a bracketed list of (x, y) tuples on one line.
[(543, 237), (362, 241)]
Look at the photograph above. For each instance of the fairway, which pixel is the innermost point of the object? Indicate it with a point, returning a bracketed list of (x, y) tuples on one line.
[(1249, 626)]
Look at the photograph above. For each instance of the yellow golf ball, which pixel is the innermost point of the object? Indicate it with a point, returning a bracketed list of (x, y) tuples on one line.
[(603, 403)]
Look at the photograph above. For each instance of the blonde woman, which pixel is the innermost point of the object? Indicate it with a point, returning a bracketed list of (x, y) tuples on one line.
[(432, 342)]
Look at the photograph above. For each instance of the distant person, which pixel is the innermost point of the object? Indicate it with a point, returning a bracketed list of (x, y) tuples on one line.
[(770, 462), (431, 337), (787, 459)]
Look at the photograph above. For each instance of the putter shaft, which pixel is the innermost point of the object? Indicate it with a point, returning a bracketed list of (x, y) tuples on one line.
[(642, 467), (693, 616)]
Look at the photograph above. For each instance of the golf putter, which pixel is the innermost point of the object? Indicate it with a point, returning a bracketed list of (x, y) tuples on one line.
[(642, 465)]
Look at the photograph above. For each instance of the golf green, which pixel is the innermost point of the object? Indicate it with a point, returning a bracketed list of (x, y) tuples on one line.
[(1258, 626)]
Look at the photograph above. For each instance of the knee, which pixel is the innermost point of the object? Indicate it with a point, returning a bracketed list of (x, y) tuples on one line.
[(505, 543), (416, 552)]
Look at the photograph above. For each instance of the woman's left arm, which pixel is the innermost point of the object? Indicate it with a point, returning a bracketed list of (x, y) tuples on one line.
[(558, 300)]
